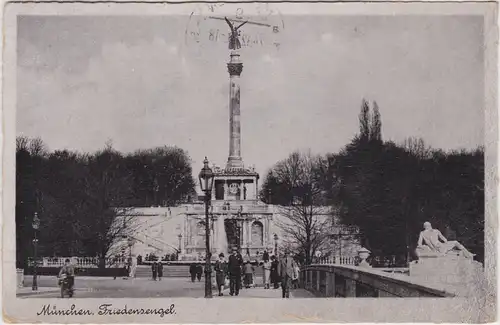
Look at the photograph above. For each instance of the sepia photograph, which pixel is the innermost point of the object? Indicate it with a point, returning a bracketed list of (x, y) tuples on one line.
[(263, 151)]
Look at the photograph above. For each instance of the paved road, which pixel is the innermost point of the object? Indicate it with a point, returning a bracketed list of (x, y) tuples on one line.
[(143, 288), (120, 288), (265, 293)]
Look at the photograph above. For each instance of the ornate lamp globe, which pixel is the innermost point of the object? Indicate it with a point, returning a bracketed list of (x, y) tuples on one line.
[(206, 177), (36, 221)]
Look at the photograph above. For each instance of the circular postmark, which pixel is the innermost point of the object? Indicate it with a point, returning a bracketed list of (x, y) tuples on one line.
[(211, 24)]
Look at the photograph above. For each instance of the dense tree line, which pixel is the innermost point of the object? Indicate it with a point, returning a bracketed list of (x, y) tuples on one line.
[(80, 197), (388, 190)]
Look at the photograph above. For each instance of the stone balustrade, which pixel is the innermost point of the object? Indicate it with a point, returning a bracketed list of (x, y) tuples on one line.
[(336, 280), (338, 260), (235, 207), (20, 278), (80, 262)]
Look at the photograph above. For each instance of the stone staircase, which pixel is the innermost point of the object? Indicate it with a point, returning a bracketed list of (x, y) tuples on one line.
[(181, 271), (169, 271)]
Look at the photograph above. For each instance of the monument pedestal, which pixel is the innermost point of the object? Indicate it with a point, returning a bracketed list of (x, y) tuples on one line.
[(446, 270)]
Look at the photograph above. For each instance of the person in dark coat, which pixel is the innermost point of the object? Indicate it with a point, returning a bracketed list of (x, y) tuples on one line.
[(274, 272), (288, 272), (160, 270), (192, 271), (234, 265), (265, 256), (220, 273), (199, 272), (154, 269)]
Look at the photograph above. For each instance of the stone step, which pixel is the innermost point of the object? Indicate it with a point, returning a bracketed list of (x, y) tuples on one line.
[(174, 271), (168, 271)]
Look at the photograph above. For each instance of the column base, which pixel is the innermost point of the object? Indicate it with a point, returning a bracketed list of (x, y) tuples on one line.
[(234, 162)]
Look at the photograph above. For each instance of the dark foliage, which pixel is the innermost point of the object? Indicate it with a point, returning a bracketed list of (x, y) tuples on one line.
[(83, 200), (390, 190)]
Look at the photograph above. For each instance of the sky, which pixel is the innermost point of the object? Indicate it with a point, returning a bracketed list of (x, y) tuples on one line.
[(148, 81)]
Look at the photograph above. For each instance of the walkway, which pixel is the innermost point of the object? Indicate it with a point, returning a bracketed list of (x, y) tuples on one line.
[(89, 287), (260, 292)]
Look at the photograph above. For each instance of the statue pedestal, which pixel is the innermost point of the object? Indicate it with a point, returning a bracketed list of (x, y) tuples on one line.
[(449, 269)]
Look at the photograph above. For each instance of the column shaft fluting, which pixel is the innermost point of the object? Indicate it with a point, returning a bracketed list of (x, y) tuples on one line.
[(234, 67)]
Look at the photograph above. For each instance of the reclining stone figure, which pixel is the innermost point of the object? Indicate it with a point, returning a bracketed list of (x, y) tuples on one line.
[(432, 243)]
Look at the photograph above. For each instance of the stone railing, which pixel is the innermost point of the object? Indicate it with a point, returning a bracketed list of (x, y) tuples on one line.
[(20, 278), (329, 280), (338, 260), (233, 208), (80, 262)]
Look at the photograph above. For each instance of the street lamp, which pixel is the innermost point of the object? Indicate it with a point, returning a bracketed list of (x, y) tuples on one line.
[(180, 243), (275, 245), (206, 183), (130, 242), (36, 225)]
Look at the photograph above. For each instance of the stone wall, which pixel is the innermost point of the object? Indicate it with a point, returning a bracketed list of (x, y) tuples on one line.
[(354, 281)]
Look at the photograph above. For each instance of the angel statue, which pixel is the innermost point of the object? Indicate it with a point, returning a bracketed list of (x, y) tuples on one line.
[(234, 42)]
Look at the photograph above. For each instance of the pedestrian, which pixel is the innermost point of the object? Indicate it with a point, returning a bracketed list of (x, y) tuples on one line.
[(249, 270), (295, 281), (234, 264), (265, 256), (116, 264), (160, 270), (274, 272), (220, 273), (192, 271), (267, 273), (199, 272), (286, 270), (133, 268), (154, 270)]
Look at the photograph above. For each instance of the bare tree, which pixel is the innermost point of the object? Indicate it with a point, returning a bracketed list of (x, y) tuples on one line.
[(417, 148), (22, 143), (305, 219), (37, 147)]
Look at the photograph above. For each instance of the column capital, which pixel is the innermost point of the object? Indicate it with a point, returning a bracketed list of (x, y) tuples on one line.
[(235, 69)]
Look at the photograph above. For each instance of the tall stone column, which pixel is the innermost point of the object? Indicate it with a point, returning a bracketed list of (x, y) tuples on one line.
[(242, 185), (225, 190), (244, 235), (265, 232), (249, 233), (234, 67), (256, 193)]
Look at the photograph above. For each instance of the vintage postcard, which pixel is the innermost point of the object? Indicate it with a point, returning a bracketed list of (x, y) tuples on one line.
[(249, 162)]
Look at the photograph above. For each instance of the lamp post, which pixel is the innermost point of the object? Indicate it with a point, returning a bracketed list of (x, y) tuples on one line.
[(276, 245), (36, 225), (156, 188), (130, 242), (206, 177), (180, 243)]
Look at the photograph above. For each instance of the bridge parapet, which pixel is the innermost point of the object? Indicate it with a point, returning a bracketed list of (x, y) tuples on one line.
[(354, 281)]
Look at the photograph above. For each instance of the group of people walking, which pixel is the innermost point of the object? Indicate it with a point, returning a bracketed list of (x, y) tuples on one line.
[(284, 271), (157, 270), (195, 270)]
